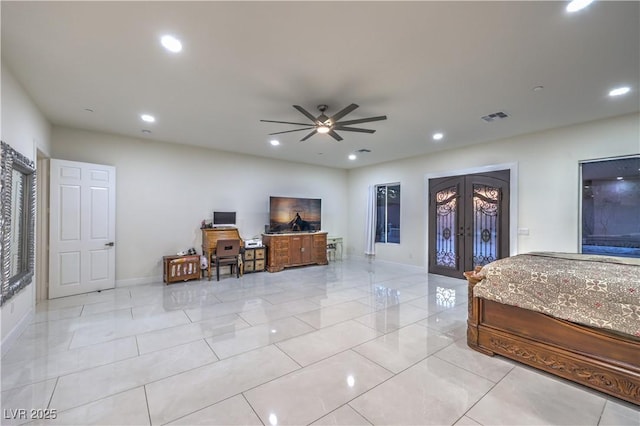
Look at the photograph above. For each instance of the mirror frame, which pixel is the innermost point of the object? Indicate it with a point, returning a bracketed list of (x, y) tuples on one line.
[(11, 160)]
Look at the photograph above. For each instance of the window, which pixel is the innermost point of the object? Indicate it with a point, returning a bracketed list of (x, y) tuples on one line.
[(611, 207), (388, 213)]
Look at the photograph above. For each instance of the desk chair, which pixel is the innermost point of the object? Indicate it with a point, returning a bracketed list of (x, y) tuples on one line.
[(227, 254)]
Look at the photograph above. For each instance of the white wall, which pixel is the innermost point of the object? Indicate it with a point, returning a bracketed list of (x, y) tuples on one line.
[(165, 190), (548, 184), (26, 130)]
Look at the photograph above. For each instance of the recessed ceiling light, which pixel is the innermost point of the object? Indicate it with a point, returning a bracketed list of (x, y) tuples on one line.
[(171, 43), (352, 157), (619, 91), (148, 118), (620, 178), (274, 142), (437, 136), (88, 109), (577, 5), (538, 88), (146, 131)]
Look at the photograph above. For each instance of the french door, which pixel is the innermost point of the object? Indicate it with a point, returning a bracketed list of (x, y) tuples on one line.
[(468, 221)]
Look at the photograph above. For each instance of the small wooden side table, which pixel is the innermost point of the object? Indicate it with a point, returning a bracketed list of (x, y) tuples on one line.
[(181, 268), (254, 259)]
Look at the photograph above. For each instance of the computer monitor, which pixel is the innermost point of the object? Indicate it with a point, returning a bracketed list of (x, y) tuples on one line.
[(224, 218)]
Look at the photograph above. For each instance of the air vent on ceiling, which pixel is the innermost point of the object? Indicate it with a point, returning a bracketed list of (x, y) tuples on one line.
[(364, 150), (495, 116)]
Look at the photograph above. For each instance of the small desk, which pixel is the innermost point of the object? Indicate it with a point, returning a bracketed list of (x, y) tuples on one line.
[(210, 237), (335, 242)]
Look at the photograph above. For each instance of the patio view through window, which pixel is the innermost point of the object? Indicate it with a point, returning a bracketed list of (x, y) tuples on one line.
[(388, 213), (611, 207)]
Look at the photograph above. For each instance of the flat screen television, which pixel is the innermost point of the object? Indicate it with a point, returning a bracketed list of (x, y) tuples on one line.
[(224, 218), (288, 214)]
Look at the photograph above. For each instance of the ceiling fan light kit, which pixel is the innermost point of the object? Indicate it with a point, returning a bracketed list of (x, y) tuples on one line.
[(328, 125)]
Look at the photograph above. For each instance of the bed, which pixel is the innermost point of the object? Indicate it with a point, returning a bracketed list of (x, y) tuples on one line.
[(574, 316)]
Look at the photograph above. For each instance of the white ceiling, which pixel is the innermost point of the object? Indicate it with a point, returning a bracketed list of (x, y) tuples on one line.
[(428, 66)]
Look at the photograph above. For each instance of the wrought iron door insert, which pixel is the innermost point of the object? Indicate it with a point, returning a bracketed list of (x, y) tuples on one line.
[(469, 222)]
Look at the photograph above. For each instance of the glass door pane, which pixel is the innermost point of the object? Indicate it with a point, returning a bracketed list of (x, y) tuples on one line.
[(486, 220), (446, 227), (611, 207)]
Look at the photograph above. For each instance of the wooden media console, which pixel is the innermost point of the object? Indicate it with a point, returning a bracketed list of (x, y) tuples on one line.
[(295, 249)]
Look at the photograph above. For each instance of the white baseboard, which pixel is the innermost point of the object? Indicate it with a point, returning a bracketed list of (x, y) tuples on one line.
[(13, 335), (128, 282), (414, 269)]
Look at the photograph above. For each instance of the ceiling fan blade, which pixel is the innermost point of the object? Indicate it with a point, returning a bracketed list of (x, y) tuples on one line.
[(338, 115), (289, 131), (362, 120), (285, 122), (334, 135), (309, 135), (305, 113), (354, 129)]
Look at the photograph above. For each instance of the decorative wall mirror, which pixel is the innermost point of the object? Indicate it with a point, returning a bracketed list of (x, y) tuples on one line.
[(17, 221)]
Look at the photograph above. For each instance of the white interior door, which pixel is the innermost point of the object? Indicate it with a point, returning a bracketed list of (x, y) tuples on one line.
[(82, 226)]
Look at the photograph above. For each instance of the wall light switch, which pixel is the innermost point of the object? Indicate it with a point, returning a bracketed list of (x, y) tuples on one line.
[(523, 231)]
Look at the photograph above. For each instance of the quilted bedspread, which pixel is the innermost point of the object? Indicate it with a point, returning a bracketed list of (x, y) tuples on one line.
[(599, 291)]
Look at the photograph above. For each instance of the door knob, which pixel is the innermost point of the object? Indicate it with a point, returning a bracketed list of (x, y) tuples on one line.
[(110, 244)]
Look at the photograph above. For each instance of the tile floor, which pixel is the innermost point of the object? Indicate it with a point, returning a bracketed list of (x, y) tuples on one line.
[(353, 343)]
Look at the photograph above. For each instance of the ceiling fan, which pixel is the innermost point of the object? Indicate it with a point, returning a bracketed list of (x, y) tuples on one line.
[(328, 125)]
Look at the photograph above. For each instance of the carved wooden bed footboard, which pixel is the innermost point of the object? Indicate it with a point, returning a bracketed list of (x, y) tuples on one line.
[(606, 361)]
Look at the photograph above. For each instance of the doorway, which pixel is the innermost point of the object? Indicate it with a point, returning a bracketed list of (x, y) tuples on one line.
[(42, 227), (468, 221)]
